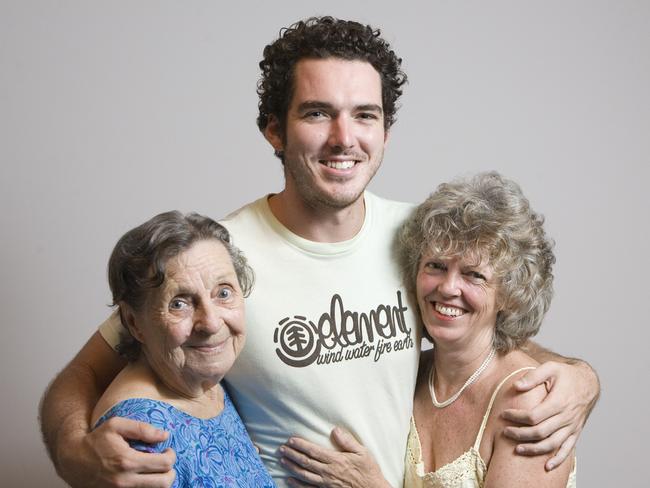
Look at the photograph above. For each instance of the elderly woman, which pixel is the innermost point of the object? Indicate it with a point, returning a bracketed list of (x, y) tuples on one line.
[(180, 286), (478, 262)]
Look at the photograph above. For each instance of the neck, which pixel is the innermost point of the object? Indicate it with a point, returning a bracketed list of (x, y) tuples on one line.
[(174, 388), (453, 365), (318, 223)]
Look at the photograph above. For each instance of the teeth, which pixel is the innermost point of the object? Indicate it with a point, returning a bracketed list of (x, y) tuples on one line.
[(450, 311), (339, 164)]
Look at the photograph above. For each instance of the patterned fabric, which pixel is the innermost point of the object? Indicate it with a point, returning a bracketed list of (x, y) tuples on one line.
[(215, 452), (466, 471)]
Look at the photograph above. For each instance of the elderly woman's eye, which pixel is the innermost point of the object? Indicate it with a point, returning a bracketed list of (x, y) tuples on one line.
[(177, 304), (224, 293)]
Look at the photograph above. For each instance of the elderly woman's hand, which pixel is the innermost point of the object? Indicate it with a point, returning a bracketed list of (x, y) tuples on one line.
[(352, 466), (556, 423)]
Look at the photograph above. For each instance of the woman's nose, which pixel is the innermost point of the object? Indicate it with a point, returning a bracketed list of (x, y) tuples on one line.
[(209, 319), (450, 285)]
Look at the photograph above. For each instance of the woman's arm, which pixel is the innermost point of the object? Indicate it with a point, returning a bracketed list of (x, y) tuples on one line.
[(352, 466), (555, 424), (506, 469), (101, 457)]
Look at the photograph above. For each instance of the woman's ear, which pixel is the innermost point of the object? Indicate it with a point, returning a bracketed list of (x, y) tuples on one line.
[(131, 322)]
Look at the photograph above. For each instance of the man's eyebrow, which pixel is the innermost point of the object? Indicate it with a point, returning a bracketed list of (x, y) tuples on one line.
[(369, 107), (316, 104), (313, 104)]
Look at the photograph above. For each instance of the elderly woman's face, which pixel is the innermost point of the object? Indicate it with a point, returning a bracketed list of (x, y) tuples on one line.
[(457, 299), (192, 326)]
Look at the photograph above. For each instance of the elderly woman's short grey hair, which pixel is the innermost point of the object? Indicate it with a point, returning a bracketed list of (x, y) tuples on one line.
[(487, 218), (137, 263)]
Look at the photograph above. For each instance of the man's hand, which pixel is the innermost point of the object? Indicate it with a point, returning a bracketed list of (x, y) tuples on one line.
[(555, 424), (353, 466), (113, 462)]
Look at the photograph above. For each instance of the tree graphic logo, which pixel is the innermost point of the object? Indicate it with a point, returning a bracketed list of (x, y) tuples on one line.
[(297, 340)]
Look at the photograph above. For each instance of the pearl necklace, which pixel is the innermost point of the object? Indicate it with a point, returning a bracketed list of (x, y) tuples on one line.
[(469, 381)]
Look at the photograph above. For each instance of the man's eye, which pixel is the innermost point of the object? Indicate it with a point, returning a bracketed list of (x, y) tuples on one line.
[(314, 114), (367, 116)]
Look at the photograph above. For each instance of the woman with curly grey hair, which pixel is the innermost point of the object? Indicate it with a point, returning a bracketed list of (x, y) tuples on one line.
[(479, 264)]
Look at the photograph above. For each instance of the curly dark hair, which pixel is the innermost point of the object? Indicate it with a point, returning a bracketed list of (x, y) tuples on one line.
[(320, 38)]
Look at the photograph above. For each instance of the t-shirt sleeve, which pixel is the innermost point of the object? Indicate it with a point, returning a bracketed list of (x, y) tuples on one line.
[(111, 329)]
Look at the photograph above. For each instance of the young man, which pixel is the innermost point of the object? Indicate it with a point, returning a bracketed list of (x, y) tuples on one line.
[(332, 339)]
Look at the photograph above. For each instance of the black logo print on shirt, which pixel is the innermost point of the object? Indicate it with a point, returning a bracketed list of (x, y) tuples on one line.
[(342, 335)]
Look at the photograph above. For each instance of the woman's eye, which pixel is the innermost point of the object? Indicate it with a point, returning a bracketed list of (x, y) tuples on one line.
[(476, 276), (225, 293), (177, 304), (435, 265)]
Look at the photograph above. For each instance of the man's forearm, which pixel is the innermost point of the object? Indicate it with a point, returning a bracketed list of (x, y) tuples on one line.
[(542, 355), (67, 404)]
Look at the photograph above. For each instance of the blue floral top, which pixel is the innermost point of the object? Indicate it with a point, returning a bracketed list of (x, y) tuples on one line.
[(214, 452)]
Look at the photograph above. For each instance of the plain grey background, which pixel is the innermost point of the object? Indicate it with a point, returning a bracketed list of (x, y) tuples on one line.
[(111, 112)]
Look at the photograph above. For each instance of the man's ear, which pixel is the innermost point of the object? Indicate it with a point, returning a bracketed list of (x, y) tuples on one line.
[(273, 133), (386, 137), (130, 320)]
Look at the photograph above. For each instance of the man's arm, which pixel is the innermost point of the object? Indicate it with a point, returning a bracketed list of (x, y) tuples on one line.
[(101, 457), (555, 423)]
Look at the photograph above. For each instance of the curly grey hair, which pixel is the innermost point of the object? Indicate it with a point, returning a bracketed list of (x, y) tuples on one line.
[(137, 263), (487, 217)]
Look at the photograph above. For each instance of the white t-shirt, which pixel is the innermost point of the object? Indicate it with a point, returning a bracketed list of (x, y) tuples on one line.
[(331, 337)]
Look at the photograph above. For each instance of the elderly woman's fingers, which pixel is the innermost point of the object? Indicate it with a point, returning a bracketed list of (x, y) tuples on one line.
[(314, 451), (302, 472), (563, 453), (346, 441)]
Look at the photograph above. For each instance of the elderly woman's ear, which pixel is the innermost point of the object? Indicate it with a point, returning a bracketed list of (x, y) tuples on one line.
[(129, 319)]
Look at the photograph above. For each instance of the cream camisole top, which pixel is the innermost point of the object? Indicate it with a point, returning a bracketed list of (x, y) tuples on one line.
[(466, 471)]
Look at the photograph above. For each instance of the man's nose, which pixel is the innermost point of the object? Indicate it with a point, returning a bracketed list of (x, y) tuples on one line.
[(341, 132)]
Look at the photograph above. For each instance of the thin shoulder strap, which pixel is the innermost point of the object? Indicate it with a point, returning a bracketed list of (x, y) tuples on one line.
[(477, 443)]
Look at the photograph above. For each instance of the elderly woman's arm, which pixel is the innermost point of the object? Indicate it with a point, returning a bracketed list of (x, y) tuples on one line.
[(556, 423), (351, 466), (101, 457)]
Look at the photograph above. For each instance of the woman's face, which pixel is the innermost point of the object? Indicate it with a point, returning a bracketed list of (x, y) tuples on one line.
[(192, 326), (457, 299)]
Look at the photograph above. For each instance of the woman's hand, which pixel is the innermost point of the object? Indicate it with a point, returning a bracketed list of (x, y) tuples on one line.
[(555, 424), (352, 466)]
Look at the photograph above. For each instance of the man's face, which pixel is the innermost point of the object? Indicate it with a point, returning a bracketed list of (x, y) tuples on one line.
[(334, 137)]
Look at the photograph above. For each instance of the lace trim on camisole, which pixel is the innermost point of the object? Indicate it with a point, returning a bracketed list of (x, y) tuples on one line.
[(466, 471)]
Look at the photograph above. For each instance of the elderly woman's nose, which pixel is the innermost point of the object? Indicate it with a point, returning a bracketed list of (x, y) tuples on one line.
[(209, 318)]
